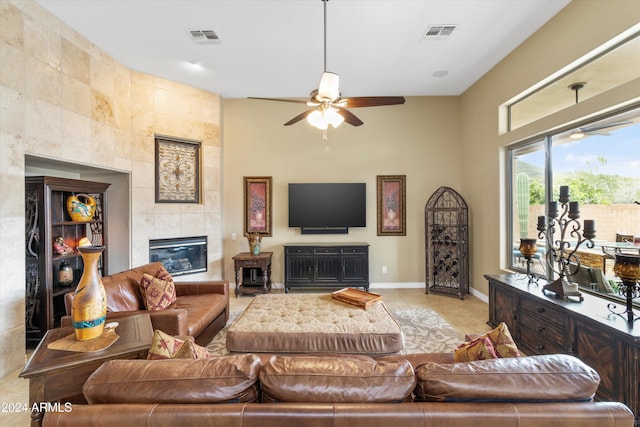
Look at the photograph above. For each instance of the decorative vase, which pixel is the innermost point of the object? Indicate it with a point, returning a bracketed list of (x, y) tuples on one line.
[(65, 274), (81, 208), (89, 309), (255, 240)]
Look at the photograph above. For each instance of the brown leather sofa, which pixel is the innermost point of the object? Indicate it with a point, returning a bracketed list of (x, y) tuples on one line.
[(201, 308), (337, 390)]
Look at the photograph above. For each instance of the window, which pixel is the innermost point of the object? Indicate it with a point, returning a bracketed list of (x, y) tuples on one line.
[(600, 162)]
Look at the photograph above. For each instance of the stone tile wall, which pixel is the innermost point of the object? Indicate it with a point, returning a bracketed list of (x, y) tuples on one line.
[(63, 98)]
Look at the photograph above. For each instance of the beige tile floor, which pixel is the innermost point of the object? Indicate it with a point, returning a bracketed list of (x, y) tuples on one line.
[(468, 315)]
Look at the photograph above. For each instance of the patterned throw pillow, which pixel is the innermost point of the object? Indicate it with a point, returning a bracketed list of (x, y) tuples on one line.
[(157, 293), (502, 341), (478, 349), (164, 346), (191, 350)]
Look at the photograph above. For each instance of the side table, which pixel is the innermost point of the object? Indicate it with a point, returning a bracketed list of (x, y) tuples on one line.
[(261, 261), (58, 375)]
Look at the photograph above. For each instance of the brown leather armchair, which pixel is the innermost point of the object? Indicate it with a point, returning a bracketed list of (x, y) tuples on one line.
[(201, 308)]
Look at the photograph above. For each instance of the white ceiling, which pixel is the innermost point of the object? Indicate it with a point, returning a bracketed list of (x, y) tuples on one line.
[(274, 48)]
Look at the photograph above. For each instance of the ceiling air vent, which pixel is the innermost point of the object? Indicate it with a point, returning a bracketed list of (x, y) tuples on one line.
[(438, 32), (204, 36)]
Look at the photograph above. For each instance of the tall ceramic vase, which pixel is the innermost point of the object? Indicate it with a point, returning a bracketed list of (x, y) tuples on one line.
[(89, 310)]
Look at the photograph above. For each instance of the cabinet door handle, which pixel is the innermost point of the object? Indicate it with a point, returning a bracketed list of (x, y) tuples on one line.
[(540, 328), (540, 347), (540, 310)]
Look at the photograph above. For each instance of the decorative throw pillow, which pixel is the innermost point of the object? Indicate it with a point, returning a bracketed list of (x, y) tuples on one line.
[(163, 346), (478, 349), (502, 345), (191, 350), (157, 293), (502, 341)]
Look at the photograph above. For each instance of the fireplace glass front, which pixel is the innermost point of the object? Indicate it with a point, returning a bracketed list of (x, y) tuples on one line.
[(180, 256)]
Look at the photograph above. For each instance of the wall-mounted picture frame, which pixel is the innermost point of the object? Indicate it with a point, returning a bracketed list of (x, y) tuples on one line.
[(391, 212), (177, 175), (257, 205)]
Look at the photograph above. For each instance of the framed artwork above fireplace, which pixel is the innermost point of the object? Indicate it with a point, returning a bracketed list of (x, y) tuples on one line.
[(177, 170)]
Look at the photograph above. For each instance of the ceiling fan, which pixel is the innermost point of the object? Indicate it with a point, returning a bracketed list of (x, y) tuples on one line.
[(329, 108), (581, 132)]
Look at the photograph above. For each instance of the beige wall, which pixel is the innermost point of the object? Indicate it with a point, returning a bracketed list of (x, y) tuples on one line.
[(419, 139), (571, 34), (61, 98)]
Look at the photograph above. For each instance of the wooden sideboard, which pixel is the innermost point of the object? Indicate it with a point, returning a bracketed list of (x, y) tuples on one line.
[(542, 324), (326, 265)]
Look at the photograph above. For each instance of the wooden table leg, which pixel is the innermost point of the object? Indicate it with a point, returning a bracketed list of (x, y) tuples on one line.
[(237, 270)]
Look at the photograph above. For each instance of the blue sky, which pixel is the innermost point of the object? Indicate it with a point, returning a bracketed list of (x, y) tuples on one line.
[(621, 149)]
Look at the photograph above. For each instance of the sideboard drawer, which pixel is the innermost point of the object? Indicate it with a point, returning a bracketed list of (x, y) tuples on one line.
[(537, 332), (327, 251), (355, 250), (543, 311), (299, 250)]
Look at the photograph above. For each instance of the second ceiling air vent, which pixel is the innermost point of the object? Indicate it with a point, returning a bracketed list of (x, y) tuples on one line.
[(438, 32), (204, 36)]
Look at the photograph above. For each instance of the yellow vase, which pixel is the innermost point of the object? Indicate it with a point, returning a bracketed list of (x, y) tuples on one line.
[(81, 208), (89, 309)]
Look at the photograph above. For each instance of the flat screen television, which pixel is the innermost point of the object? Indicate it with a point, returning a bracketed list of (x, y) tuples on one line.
[(327, 208)]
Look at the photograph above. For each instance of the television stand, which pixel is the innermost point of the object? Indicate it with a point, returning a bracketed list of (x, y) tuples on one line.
[(320, 265)]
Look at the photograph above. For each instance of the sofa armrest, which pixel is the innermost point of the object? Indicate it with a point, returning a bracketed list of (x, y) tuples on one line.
[(202, 287), (172, 321)]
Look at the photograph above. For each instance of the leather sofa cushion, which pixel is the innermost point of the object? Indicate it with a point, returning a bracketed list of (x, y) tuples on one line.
[(547, 378), (335, 378), (224, 379), (123, 289)]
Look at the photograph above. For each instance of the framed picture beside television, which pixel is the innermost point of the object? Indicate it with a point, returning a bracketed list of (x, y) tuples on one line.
[(391, 209), (257, 205)]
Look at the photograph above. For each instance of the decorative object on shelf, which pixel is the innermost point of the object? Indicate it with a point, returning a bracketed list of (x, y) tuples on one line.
[(60, 247), (81, 207), (89, 310), (627, 268), (560, 251), (447, 243), (528, 248), (391, 192), (257, 205), (65, 274), (177, 171), (255, 240)]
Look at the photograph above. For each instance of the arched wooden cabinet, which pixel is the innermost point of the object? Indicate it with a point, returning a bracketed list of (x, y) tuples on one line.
[(447, 243)]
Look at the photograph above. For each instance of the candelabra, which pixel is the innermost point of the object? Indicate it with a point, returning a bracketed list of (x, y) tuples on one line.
[(560, 252), (528, 249), (627, 268)]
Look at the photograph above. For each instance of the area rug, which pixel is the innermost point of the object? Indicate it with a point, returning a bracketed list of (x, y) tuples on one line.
[(424, 332)]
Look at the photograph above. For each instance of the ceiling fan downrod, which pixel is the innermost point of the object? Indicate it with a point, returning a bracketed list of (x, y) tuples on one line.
[(576, 88)]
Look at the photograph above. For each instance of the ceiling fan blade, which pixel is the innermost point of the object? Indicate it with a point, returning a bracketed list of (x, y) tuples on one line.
[(297, 101), (349, 117), (299, 117), (373, 101), (604, 126)]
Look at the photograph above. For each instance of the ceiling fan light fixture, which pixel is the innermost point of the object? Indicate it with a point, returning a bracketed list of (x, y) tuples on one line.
[(577, 135), (321, 119), (329, 87)]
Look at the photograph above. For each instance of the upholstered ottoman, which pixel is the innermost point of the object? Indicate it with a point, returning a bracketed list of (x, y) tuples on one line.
[(314, 323)]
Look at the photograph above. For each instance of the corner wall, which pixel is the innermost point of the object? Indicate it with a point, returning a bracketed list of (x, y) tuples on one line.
[(574, 32), (64, 99)]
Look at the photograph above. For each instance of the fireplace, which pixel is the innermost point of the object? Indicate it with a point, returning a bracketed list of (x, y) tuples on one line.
[(186, 255)]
